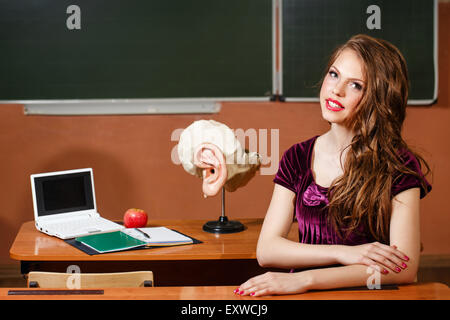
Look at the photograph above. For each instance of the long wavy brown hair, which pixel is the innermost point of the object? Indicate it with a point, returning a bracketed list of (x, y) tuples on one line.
[(362, 195)]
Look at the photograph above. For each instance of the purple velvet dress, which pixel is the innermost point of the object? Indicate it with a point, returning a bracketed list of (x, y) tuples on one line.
[(311, 210)]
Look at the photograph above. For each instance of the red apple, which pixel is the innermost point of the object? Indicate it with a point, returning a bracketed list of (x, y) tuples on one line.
[(135, 218)]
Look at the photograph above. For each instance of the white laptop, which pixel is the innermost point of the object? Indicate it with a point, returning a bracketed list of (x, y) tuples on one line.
[(64, 204)]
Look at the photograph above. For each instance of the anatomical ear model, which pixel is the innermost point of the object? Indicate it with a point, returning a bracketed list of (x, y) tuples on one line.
[(209, 149)]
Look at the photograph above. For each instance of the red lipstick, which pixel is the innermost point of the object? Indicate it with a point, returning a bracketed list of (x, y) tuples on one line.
[(333, 105)]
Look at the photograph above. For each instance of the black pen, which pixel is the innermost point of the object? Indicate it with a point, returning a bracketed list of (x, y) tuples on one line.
[(146, 235)]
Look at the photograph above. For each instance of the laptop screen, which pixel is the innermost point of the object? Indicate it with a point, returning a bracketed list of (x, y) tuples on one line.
[(64, 193)]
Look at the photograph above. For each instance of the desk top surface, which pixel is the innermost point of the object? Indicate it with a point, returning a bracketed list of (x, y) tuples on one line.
[(32, 245), (419, 291)]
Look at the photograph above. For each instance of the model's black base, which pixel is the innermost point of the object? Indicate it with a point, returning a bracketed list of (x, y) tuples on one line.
[(223, 225)]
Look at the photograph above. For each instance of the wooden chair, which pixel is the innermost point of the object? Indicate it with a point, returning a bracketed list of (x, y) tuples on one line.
[(89, 280)]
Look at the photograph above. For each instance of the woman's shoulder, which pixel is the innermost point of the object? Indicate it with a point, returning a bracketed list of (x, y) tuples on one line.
[(294, 164), (301, 149), (410, 160), (403, 181)]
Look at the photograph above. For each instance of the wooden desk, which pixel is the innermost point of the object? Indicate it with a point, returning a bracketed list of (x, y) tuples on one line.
[(421, 291), (225, 259)]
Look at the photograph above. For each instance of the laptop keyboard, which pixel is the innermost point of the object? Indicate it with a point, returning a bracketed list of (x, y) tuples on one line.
[(83, 226)]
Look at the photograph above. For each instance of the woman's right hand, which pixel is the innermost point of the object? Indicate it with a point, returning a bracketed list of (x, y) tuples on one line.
[(376, 255)]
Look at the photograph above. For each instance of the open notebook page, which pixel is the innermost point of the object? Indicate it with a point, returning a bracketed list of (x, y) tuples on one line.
[(158, 235)]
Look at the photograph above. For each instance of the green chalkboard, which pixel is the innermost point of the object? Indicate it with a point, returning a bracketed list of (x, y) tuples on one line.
[(312, 29), (135, 49)]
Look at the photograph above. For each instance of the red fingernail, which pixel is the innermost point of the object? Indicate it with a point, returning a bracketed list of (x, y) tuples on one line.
[(236, 290), (406, 258), (404, 265), (385, 271), (252, 294), (398, 269), (241, 292)]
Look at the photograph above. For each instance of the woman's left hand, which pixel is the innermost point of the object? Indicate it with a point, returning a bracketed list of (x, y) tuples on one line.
[(271, 283)]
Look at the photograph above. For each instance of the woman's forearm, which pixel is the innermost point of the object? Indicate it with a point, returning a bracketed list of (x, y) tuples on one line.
[(280, 252), (355, 276)]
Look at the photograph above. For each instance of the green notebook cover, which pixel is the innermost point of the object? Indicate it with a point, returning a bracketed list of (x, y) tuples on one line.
[(110, 242)]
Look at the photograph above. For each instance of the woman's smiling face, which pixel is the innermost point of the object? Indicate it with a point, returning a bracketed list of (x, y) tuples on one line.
[(342, 87)]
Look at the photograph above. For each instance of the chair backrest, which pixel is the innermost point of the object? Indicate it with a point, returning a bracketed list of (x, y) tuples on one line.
[(89, 280)]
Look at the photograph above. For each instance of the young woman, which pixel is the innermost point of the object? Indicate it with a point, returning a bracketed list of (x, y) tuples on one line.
[(354, 190)]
